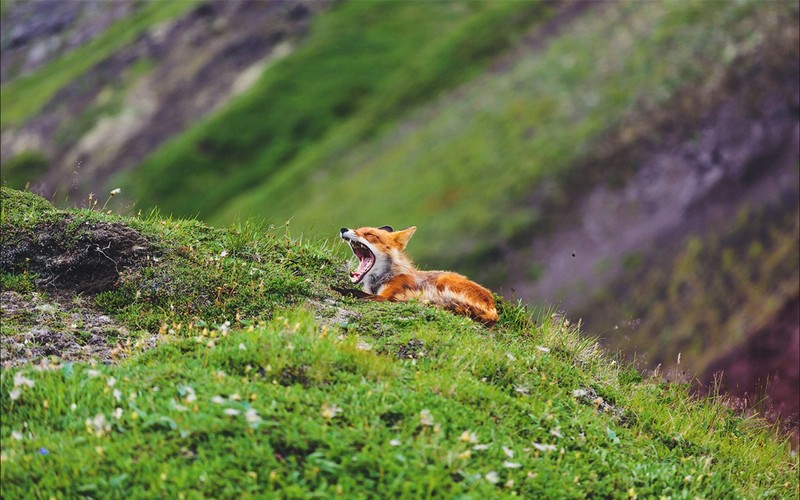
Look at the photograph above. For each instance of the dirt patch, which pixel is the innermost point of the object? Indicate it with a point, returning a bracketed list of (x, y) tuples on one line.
[(74, 256), (37, 328), (413, 349)]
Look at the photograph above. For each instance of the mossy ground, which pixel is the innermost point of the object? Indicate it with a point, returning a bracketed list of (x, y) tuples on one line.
[(264, 380)]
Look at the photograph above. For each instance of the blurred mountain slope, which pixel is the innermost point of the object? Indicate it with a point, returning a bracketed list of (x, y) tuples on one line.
[(107, 116)]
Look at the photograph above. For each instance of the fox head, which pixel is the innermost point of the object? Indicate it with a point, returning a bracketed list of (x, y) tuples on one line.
[(380, 253)]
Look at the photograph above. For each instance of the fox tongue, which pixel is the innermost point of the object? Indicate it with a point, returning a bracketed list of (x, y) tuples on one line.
[(365, 262)]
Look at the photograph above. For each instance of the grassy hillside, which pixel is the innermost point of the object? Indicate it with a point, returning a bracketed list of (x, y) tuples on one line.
[(264, 380), (520, 129)]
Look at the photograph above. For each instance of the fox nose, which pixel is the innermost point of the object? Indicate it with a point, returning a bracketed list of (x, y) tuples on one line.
[(343, 230)]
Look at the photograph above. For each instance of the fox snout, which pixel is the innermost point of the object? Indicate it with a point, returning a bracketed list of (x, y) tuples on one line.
[(347, 234)]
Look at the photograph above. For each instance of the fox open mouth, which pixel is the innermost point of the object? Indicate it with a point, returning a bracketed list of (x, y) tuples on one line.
[(366, 259)]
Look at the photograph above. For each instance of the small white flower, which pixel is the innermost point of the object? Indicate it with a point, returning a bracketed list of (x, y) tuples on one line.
[(116, 191), (251, 415), (363, 346), (16, 435), (481, 447), (231, 411), (511, 357), (394, 442), (544, 447), (242, 347), (98, 424), (579, 393), (330, 411), (117, 413), (508, 451), (557, 432), (14, 394), (190, 395), (426, 418), (92, 373), (20, 379), (224, 253), (543, 349), (511, 465), (522, 389), (468, 437), (73, 407), (111, 381), (491, 476), (117, 394), (218, 400)]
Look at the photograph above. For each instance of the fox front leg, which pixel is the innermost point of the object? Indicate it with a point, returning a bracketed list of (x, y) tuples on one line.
[(358, 294)]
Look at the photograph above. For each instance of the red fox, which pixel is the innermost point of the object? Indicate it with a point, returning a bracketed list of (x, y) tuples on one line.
[(388, 274)]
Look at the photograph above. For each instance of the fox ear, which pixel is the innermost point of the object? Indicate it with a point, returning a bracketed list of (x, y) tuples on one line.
[(387, 228), (402, 237)]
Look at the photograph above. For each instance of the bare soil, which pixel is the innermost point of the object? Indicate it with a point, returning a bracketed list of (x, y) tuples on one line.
[(76, 257), (41, 328)]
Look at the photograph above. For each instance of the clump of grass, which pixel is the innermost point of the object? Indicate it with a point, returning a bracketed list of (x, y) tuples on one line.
[(22, 282)]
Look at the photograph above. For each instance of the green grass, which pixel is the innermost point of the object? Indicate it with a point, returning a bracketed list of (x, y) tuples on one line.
[(17, 282), (23, 97), (291, 389)]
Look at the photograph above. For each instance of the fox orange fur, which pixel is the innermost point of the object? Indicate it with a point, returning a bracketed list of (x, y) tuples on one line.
[(388, 274)]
